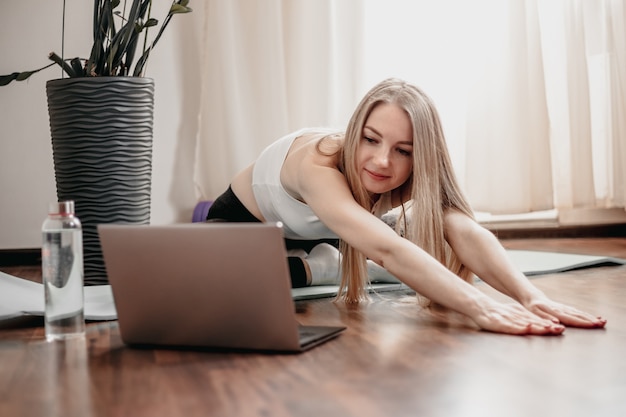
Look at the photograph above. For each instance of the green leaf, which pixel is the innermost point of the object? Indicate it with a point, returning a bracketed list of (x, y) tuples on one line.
[(24, 75), (151, 22), (77, 67), (20, 76), (178, 8), (6, 79)]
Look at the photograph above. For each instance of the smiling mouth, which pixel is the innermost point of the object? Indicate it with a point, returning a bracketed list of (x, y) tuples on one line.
[(376, 176)]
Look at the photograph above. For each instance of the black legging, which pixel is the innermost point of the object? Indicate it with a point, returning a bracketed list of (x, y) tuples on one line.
[(228, 208)]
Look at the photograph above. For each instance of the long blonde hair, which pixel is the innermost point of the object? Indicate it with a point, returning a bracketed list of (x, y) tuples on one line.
[(431, 189)]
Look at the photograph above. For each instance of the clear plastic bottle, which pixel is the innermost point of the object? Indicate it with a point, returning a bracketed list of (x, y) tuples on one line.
[(62, 272)]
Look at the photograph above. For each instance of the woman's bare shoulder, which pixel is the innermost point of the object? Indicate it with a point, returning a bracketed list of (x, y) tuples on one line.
[(317, 148), (306, 155)]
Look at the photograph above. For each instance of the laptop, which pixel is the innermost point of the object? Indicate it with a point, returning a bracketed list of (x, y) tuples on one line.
[(207, 285)]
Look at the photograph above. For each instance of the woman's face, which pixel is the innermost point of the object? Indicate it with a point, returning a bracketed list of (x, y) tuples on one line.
[(385, 152)]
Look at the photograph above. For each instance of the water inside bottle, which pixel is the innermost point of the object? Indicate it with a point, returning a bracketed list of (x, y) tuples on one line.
[(63, 284)]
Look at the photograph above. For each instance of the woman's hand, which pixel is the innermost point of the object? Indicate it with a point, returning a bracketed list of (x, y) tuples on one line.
[(543, 307), (513, 318)]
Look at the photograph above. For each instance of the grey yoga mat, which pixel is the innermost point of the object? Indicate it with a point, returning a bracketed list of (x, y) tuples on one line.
[(531, 263)]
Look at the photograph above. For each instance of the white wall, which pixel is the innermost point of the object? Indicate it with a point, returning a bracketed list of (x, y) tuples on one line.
[(29, 30)]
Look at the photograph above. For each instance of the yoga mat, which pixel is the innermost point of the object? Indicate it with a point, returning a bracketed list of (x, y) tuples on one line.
[(325, 291), (19, 297), (533, 263)]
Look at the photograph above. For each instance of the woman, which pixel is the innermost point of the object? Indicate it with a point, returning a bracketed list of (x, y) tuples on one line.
[(392, 155)]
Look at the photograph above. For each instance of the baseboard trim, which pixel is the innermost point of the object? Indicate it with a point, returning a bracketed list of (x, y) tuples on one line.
[(20, 257), (590, 231)]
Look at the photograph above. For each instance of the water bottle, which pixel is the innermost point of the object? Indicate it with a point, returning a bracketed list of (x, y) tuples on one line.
[(62, 272)]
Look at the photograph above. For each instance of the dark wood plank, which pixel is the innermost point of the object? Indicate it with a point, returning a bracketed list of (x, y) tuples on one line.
[(395, 359), (31, 273)]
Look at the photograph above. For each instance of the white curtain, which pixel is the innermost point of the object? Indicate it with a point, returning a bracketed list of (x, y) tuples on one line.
[(508, 164), (532, 93), (270, 67), (584, 53)]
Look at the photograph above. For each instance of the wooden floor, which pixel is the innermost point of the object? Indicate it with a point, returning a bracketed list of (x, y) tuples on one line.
[(394, 360)]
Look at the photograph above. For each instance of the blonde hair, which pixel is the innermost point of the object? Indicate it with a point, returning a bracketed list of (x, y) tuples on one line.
[(431, 189)]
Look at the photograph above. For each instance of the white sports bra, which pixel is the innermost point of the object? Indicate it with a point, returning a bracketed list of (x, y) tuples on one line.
[(276, 205)]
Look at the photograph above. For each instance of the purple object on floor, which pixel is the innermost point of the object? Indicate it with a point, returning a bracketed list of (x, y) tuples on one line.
[(200, 211)]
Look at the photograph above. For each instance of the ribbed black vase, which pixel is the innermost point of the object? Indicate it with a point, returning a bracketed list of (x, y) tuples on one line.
[(101, 131)]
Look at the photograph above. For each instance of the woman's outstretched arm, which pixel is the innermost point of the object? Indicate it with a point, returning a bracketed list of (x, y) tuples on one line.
[(483, 254), (325, 190)]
